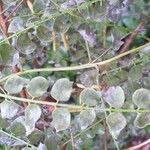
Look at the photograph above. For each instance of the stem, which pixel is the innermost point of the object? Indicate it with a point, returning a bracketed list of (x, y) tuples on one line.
[(139, 146), (73, 108), (10, 135), (84, 66)]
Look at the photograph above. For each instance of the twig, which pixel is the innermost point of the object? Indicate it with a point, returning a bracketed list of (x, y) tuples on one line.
[(3, 24), (15, 9), (10, 135), (128, 39), (139, 146)]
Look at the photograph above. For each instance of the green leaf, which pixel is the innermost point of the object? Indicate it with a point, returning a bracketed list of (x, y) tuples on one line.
[(24, 44), (35, 137), (114, 96), (18, 129), (116, 122), (61, 90), (141, 98), (8, 109), (37, 86), (135, 72), (15, 25), (15, 84), (38, 5), (41, 147), (32, 115), (142, 120), (61, 119), (89, 97), (43, 33), (86, 118), (146, 50), (3, 123), (52, 139), (5, 53)]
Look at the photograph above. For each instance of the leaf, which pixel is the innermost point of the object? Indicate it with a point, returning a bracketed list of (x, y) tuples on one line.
[(52, 139), (8, 109), (135, 72), (18, 129), (3, 123), (89, 97), (15, 84), (24, 44), (61, 119), (43, 33), (41, 147), (87, 78), (61, 90), (86, 118), (37, 86), (15, 25), (142, 120), (5, 53), (38, 5), (141, 98), (35, 137), (114, 96), (88, 36), (116, 122), (32, 115), (146, 50)]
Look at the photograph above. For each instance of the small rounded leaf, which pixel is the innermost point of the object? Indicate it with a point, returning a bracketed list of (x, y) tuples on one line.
[(18, 129), (89, 97), (114, 96), (8, 109), (43, 33), (142, 120), (15, 25), (32, 115), (61, 119), (24, 44), (86, 118), (135, 72), (15, 84), (61, 90), (141, 98), (116, 122), (5, 53), (37, 86)]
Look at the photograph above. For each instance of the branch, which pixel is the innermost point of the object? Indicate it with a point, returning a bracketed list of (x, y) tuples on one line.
[(3, 25), (139, 146)]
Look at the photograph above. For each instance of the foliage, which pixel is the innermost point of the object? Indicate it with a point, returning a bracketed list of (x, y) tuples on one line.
[(67, 77)]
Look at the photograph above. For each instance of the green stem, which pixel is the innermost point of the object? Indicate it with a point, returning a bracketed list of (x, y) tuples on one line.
[(73, 107), (84, 66), (12, 136)]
